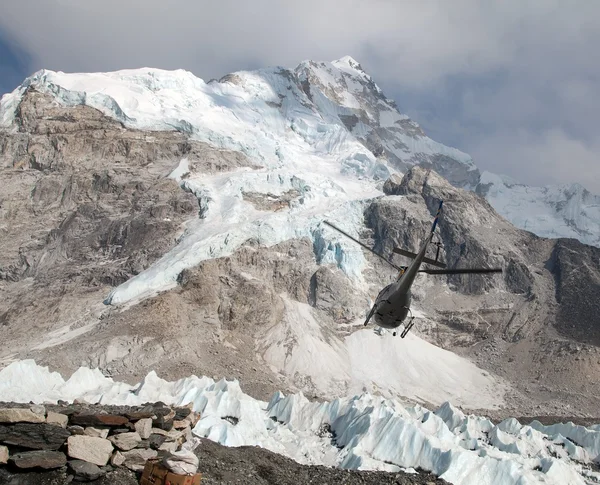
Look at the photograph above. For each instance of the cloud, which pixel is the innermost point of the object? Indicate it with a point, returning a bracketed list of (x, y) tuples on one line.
[(473, 73)]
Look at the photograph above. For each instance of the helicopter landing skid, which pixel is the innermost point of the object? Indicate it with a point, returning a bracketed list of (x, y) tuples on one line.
[(408, 326)]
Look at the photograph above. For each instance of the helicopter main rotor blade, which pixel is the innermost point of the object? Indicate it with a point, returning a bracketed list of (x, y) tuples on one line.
[(461, 271), (365, 246)]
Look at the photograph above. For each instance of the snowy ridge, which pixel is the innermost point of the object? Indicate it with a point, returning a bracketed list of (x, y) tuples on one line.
[(551, 211), (363, 432)]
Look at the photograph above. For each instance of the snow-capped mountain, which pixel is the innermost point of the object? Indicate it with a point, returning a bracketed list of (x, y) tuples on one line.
[(152, 221), (550, 211), (282, 117)]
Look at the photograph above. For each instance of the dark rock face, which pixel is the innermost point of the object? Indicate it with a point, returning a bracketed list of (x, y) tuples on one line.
[(576, 269), (39, 459), (34, 436)]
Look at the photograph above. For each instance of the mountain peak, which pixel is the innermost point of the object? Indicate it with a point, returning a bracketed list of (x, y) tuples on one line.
[(348, 61)]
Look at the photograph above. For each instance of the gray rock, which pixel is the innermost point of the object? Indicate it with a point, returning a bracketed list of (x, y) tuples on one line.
[(126, 441), (38, 459), (156, 440), (117, 459), (136, 459), (392, 185), (39, 436), (85, 471), (144, 428), (76, 429), (88, 448)]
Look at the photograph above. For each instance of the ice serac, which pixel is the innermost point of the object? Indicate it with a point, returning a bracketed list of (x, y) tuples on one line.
[(359, 432)]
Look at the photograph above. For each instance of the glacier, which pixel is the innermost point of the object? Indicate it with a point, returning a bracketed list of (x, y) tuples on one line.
[(364, 431)]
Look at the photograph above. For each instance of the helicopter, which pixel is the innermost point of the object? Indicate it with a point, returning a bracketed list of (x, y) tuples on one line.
[(392, 305)]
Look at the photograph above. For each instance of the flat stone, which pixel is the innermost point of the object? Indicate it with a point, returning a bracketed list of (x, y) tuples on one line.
[(20, 415), (135, 460), (144, 428), (40, 436), (98, 419), (45, 459), (57, 419), (126, 441), (89, 448), (85, 471), (3, 455), (95, 432)]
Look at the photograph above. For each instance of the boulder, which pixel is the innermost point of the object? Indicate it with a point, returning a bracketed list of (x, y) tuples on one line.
[(85, 471), (126, 441), (135, 460), (57, 419), (89, 448), (3, 455), (39, 459), (20, 415), (41, 436), (144, 428)]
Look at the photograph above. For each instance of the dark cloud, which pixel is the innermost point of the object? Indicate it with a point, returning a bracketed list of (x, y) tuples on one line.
[(514, 83), (14, 63)]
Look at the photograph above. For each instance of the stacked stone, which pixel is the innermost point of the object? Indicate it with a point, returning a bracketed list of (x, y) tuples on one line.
[(91, 440)]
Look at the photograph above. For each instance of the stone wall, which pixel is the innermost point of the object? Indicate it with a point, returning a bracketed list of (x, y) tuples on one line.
[(90, 440)]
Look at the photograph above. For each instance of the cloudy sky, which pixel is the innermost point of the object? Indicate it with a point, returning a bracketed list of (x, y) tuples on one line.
[(514, 83)]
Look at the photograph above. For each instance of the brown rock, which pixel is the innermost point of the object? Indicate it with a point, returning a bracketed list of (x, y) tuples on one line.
[(88, 448), (57, 419), (39, 436), (99, 420), (20, 415), (3, 455), (39, 459)]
